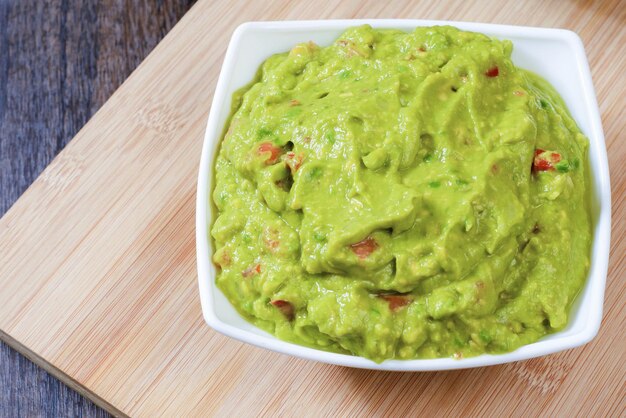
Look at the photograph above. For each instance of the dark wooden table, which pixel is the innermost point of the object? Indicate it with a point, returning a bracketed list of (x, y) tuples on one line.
[(60, 60)]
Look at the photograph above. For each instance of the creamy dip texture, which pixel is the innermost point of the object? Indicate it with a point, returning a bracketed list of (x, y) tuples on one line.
[(402, 195)]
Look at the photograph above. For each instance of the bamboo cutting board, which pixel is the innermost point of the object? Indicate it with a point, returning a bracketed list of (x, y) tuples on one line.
[(97, 258)]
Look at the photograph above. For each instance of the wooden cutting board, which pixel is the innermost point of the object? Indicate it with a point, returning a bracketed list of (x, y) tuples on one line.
[(97, 258)]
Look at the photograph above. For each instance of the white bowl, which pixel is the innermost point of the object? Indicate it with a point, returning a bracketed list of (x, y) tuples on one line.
[(557, 55)]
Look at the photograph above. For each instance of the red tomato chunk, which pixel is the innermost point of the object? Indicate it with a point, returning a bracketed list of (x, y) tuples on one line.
[(271, 151), (364, 248), (286, 308)]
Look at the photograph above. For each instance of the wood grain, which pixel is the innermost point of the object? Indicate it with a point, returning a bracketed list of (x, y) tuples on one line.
[(98, 268), (59, 62)]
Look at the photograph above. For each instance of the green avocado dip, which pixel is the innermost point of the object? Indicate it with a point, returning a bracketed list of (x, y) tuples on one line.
[(402, 195)]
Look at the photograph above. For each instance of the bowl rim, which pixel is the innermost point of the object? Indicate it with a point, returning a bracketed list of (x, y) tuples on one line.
[(600, 245)]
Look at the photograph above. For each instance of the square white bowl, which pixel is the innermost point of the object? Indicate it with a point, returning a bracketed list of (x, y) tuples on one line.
[(557, 55)]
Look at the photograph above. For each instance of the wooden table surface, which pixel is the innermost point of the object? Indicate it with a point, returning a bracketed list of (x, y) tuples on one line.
[(132, 336), (60, 60)]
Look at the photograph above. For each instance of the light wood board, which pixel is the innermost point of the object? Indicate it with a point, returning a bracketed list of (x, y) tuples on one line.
[(97, 258)]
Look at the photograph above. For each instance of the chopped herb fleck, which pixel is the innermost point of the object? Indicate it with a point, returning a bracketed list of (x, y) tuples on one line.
[(313, 173), (485, 337), (563, 166), (343, 74), (330, 137), (319, 237), (264, 132)]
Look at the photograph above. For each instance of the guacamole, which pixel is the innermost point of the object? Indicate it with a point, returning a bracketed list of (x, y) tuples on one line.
[(402, 195)]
